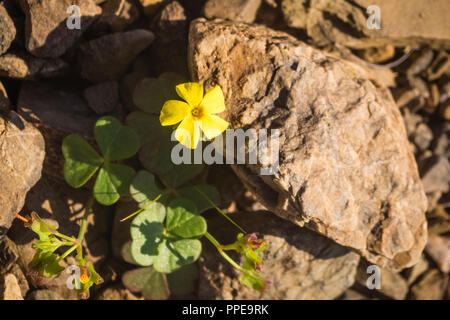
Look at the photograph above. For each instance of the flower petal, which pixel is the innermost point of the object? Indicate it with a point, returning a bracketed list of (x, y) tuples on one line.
[(188, 132), (173, 112), (213, 101), (191, 92), (213, 126)]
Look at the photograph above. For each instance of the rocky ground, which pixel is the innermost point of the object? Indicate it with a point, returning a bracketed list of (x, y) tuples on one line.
[(364, 116)]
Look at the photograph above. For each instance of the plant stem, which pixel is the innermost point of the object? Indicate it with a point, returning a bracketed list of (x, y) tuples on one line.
[(219, 210), (83, 227), (223, 254), (63, 236), (71, 249), (69, 243)]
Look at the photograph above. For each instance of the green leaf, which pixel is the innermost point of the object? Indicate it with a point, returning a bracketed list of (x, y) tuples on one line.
[(144, 189), (156, 288), (152, 284), (156, 158), (183, 219), (82, 161), (150, 93), (253, 282), (41, 227), (47, 242), (115, 140), (146, 126), (201, 202), (46, 263), (175, 253), (126, 253), (147, 232), (183, 280), (112, 182)]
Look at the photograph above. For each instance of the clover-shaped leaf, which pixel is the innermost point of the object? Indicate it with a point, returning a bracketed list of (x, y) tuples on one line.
[(116, 141), (204, 196), (112, 182), (150, 93), (146, 126), (152, 284), (152, 244), (82, 161), (175, 253), (144, 188), (147, 232), (183, 219), (126, 253)]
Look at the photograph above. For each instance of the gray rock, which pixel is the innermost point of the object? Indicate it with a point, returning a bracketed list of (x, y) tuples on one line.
[(21, 155), (103, 98), (171, 24), (345, 22), (16, 270), (236, 10), (9, 288), (7, 30), (107, 58), (436, 174), (423, 136), (56, 108), (432, 286), (56, 105), (417, 270), (438, 247), (116, 16), (46, 31), (300, 263), (8, 254), (392, 285), (25, 66), (345, 167), (171, 31)]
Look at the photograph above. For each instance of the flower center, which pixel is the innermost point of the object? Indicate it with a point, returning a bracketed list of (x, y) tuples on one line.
[(197, 112)]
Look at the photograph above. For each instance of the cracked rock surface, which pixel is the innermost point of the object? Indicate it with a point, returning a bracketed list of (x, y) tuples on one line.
[(21, 157), (345, 168)]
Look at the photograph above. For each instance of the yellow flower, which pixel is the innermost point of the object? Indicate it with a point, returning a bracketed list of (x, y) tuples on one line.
[(196, 114)]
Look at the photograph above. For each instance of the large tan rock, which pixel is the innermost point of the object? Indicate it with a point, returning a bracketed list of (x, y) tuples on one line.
[(7, 30), (21, 157), (299, 263), (345, 168)]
